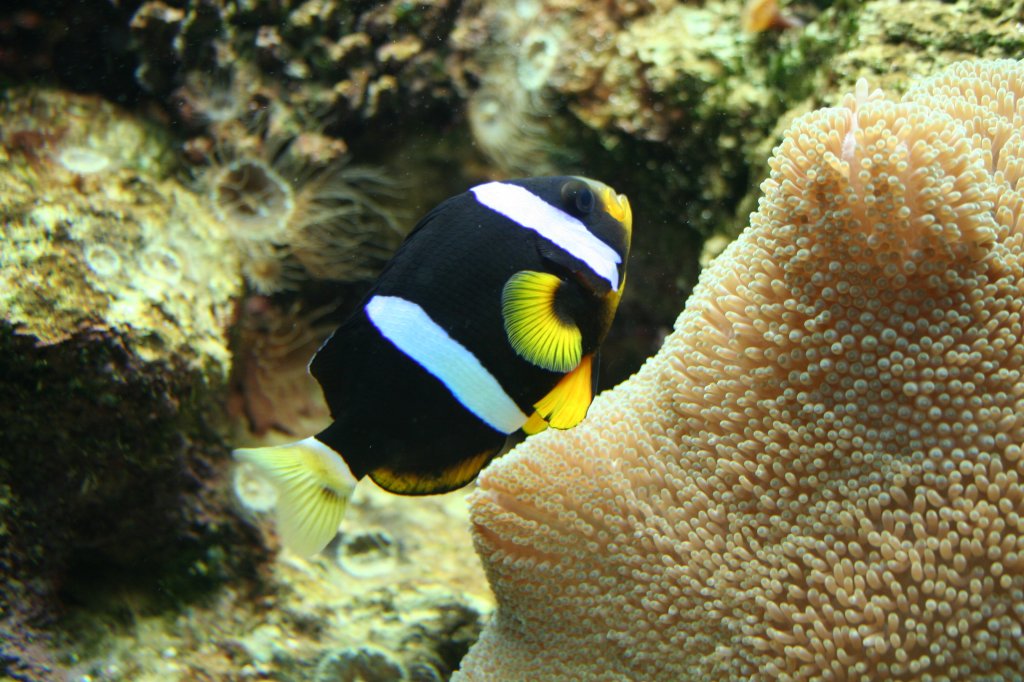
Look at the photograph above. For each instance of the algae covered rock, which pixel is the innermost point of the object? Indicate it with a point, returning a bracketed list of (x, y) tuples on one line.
[(116, 291), (352, 63), (120, 287), (323, 619)]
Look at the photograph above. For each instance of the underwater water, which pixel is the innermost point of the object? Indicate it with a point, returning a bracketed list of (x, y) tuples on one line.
[(809, 469)]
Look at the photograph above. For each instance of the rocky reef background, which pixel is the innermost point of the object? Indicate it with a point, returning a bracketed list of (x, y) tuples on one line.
[(192, 193)]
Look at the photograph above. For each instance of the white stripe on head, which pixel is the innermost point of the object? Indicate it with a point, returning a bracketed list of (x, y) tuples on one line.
[(408, 326), (566, 231)]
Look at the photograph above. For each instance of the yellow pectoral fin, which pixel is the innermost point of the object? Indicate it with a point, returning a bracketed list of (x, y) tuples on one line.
[(533, 325), (567, 403)]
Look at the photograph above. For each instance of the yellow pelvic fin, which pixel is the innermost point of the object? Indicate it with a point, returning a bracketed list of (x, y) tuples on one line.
[(535, 424), (567, 403), (534, 328), (418, 483), (313, 486)]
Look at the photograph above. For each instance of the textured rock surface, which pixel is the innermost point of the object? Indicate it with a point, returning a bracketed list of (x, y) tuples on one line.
[(399, 597), (820, 474), (356, 65), (99, 237), (116, 292)]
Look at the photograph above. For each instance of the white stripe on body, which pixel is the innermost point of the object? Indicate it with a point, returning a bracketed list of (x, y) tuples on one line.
[(408, 326), (566, 231)]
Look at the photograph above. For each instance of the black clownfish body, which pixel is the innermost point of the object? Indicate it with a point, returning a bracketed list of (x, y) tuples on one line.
[(486, 321)]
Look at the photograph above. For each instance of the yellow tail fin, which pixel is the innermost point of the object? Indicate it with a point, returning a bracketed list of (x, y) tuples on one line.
[(313, 486)]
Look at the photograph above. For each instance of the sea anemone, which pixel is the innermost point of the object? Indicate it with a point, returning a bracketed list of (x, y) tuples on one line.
[(819, 476), (252, 198), (296, 217), (161, 263), (102, 259), (83, 160), (368, 553), (271, 388), (252, 490), (513, 128), (211, 98), (537, 58), (269, 268), (346, 229)]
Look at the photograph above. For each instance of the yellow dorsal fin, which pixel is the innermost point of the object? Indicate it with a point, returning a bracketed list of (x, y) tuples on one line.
[(567, 403), (313, 485), (534, 328)]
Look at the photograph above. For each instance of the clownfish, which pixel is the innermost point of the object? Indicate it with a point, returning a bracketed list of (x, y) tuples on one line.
[(486, 322)]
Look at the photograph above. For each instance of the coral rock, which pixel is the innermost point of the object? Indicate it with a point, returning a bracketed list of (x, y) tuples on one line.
[(308, 47), (820, 474), (116, 290)]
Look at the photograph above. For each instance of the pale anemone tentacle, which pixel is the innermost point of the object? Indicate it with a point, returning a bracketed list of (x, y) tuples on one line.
[(821, 474)]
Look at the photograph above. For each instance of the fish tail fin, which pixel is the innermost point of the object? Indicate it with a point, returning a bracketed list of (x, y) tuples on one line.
[(313, 485)]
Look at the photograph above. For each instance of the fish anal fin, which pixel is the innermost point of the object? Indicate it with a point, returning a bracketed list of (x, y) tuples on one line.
[(567, 403), (313, 486), (536, 330), (450, 478)]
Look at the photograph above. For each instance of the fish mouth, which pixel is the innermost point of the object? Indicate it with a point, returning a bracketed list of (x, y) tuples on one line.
[(617, 206)]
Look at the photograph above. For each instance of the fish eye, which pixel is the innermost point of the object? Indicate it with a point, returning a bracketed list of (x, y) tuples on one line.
[(578, 198)]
